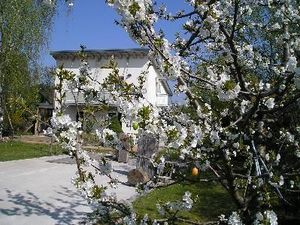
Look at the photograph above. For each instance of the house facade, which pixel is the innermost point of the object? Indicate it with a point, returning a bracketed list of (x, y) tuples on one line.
[(131, 63)]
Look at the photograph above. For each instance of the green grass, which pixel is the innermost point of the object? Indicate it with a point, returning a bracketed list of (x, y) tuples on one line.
[(212, 200), (13, 150)]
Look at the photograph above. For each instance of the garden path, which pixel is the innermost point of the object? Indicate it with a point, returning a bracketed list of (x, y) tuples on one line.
[(39, 191)]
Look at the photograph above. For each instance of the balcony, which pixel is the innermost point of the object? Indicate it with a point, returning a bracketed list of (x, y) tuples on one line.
[(73, 98)]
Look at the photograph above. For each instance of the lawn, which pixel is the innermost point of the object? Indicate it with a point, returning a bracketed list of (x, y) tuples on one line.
[(13, 150), (212, 200)]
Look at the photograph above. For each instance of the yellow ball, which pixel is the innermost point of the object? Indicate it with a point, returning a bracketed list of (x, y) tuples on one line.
[(195, 171)]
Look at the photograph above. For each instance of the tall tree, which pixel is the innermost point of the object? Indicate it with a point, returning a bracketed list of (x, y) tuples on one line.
[(24, 28)]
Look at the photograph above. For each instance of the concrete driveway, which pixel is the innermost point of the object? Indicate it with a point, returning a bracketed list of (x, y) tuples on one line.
[(39, 191)]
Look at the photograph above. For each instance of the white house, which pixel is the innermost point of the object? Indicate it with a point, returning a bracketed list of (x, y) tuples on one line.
[(131, 63)]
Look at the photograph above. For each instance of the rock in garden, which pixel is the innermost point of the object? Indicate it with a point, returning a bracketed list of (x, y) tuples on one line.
[(147, 146), (137, 176), (123, 153)]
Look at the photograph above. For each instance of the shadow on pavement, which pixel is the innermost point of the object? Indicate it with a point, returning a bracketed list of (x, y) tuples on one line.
[(65, 210)]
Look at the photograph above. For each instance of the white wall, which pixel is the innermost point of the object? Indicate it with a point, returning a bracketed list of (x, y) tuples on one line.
[(127, 65)]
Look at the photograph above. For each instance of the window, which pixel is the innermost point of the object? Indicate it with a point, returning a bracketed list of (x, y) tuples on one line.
[(159, 87)]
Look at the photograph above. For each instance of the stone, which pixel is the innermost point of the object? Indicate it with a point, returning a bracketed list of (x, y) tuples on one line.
[(123, 153), (123, 156), (137, 176), (147, 146)]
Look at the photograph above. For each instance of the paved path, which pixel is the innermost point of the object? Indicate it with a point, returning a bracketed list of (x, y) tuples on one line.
[(39, 192)]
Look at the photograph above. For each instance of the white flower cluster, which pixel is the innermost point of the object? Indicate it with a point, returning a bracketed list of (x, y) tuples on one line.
[(130, 220), (234, 219), (270, 103), (268, 217), (185, 205), (107, 136), (187, 201), (131, 10), (66, 130)]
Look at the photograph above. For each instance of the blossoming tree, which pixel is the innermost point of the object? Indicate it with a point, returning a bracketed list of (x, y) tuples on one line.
[(237, 61)]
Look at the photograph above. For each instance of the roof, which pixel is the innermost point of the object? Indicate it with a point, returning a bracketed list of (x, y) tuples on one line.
[(102, 52)]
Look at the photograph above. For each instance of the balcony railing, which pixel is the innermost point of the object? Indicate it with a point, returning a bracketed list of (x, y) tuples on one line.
[(78, 98), (73, 98)]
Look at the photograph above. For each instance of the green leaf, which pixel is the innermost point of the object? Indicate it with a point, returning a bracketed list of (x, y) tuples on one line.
[(134, 8)]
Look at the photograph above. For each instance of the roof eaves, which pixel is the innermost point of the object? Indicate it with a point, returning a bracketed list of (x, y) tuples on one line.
[(101, 51)]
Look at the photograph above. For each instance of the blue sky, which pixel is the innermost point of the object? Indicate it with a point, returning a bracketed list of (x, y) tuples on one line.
[(91, 23)]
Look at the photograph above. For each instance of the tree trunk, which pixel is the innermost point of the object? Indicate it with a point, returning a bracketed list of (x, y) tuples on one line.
[(37, 122), (9, 120)]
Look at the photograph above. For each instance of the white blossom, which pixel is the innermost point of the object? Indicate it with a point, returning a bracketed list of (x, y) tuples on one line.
[(187, 201), (291, 64), (234, 219), (268, 216), (281, 181), (270, 103)]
